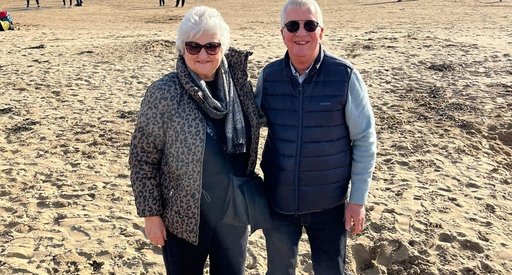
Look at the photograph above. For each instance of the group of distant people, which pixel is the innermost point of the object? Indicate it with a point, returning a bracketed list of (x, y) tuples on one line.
[(162, 3), (79, 3)]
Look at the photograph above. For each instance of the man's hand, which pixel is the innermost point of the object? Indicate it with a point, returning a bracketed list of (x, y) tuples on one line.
[(354, 218), (155, 230)]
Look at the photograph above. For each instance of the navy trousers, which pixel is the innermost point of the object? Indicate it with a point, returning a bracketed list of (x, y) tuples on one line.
[(327, 238)]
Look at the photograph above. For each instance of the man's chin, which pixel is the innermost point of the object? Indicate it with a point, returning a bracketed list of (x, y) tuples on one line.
[(300, 54)]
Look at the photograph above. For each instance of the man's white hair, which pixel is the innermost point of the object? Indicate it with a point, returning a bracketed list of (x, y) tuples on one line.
[(308, 4)]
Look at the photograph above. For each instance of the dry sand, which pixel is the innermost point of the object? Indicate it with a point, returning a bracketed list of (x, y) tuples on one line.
[(439, 75)]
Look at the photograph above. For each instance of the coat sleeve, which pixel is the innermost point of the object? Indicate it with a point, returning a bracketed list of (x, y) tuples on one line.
[(361, 124), (146, 152), (262, 121)]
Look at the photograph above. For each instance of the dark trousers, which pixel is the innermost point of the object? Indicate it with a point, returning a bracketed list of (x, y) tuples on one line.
[(162, 2), (327, 238), (224, 244), (182, 2), (70, 2), (28, 3)]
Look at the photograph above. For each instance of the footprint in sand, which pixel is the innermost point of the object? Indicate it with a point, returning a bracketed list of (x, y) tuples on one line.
[(53, 204), (305, 261), (393, 251), (138, 227), (252, 260), (78, 232), (96, 265), (21, 228), (20, 249), (491, 208), (471, 245), (464, 243), (473, 184), (362, 256)]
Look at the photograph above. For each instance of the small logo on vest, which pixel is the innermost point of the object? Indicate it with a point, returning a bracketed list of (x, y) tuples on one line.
[(325, 103)]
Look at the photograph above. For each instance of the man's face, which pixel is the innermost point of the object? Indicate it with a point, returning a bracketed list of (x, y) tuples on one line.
[(303, 46)]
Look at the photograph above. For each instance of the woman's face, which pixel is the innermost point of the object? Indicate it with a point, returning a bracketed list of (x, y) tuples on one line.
[(203, 64)]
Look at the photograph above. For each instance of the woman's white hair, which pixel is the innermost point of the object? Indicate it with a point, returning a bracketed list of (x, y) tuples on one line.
[(200, 20), (308, 4)]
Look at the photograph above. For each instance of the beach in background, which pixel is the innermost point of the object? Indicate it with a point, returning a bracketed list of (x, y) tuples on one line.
[(439, 75)]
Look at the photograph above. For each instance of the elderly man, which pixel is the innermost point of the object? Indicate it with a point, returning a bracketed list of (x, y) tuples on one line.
[(321, 141)]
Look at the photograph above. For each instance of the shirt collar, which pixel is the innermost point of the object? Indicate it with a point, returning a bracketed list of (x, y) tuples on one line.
[(296, 74), (315, 65)]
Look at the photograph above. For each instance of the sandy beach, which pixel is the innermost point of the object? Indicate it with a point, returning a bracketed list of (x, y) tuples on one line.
[(439, 75)]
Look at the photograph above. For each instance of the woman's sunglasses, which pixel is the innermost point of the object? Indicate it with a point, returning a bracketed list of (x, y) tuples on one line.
[(293, 26), (194, 48)]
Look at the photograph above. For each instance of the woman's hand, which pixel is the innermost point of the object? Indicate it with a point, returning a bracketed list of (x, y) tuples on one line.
[(155, 230)]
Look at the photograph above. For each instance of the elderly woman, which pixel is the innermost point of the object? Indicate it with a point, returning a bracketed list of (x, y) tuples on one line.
[(196, 129)]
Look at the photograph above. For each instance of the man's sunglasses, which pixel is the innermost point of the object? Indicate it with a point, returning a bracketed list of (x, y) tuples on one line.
[(293, 26), (194, 48)]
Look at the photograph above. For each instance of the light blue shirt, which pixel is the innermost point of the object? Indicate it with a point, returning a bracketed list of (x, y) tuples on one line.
[(361, 125), (297, 75)]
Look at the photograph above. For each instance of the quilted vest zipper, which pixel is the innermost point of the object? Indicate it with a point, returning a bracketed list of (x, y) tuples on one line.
[(298, 151)]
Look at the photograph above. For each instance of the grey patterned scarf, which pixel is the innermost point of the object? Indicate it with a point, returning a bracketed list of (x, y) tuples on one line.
[(228, 106)]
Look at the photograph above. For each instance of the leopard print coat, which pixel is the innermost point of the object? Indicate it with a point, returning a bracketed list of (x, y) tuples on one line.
[(167, 147)]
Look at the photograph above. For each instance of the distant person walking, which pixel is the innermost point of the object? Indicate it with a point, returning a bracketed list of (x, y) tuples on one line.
[(162, 3), (64, 2), (182, 3), (37, 2)]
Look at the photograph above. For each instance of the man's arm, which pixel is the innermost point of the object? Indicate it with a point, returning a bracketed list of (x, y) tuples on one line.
[(361, 124)]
